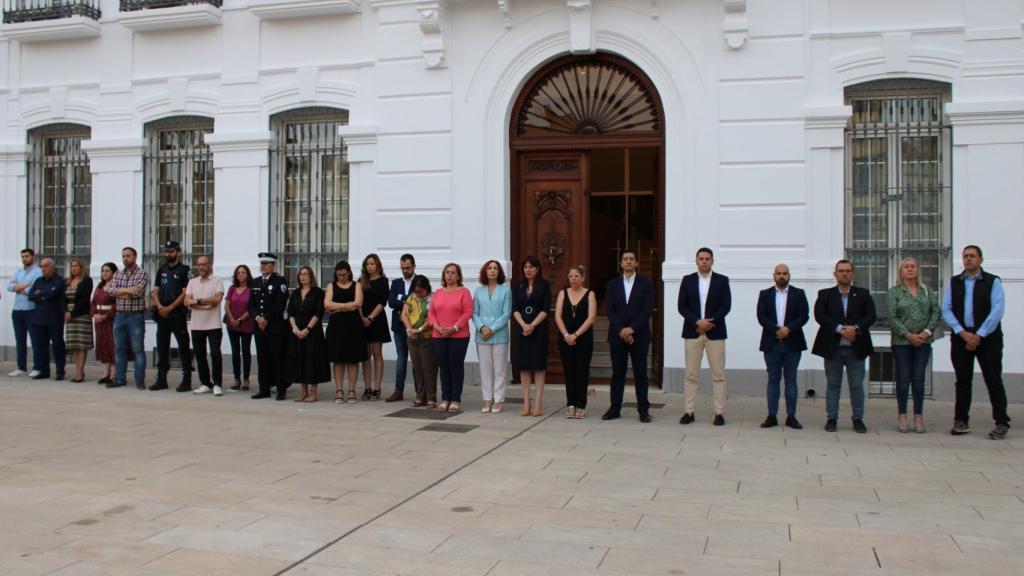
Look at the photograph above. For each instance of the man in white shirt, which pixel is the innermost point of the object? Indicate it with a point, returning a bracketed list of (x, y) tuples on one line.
[(782, 312), (704, 301), (203, 296)]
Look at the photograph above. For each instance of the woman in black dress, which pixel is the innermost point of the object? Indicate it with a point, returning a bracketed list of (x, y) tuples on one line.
[(346, 335), (374, 284), (531, 300), (307, 357), (575, 311)]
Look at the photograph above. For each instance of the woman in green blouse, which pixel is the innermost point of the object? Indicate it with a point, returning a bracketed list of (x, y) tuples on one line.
[(914, 316)]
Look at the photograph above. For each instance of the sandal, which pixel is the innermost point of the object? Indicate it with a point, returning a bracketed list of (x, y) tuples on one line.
[(417, 403), (580, 414), (351, 396), (431, 405), (487, 407), (237, 385), (902, 427), (570, 412), (526, 409), (367, 393), (537, 412), (245, 385), (374, 394), (496, 408), (453, 407), (339, 397), (442, 407)]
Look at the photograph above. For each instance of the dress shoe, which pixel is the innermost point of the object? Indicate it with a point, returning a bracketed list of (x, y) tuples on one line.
[(260, 395), (645, 417), (687, 418), (830, 425), (59, 377), (158, 385), (858, 426), (770, 422), (282, 393), (115, 384), (719, 420), (611, 414), (140, 385), (395, 397), (103, 380), (793, 423)]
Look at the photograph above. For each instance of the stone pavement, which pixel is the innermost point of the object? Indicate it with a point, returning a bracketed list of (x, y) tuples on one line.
[(122, 482)]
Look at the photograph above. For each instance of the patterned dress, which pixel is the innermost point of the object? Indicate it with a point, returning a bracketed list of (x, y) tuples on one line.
[(77, 330)]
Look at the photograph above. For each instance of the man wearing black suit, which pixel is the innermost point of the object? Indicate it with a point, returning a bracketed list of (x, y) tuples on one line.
[(268, 300), (629, 301), (704, 301), (782, 311), (844, 314), (396, 301)]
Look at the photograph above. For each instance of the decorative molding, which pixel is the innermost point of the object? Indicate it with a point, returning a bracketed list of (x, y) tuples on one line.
[(115, 154), (239, 149), (824, 126), (187, 16), (432, 27), (581, 26), (46, 30), (735, 25), (361, 142), (505, 8), (997, 113), (282, 9)]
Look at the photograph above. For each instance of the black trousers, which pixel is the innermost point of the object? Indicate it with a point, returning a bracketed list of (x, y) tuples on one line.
[(200, 338), (576, 363), (637, 354), (271, 357), (990, 358), (165, 327)]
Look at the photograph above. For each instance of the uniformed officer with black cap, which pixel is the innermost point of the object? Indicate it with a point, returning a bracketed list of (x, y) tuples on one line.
[(267, 304), (170, 315)]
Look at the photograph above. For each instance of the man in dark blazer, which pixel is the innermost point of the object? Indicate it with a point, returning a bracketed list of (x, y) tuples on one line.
[(704, 301), (782, 311), (844, 314), (629, 301), (268, 301), (396, 301)]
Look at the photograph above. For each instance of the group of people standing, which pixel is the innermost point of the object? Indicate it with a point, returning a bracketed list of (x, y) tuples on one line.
[(434, 328)]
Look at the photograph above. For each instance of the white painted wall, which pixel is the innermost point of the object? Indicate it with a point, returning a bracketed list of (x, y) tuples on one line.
[(754, 135)]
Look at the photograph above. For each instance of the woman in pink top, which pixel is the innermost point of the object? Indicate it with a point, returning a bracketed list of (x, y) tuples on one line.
[(240, 325), (449, 314)]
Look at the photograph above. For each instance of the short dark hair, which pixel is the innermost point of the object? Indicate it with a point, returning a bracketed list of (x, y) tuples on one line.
[(408, 258), (843, 261), (420, 281), (130, 249), (342, 265), (970, 246), (28, 251), (234, 275), (483, 272), (705, 249), (629, 251)]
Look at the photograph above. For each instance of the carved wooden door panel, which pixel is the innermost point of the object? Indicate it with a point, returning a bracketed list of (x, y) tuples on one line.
[(553, 206)]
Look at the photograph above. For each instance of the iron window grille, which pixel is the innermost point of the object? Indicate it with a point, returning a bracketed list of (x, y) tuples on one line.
[(898, 192), (309, 191), (60, 194), (16, 11), (133, 5), (179, 189)]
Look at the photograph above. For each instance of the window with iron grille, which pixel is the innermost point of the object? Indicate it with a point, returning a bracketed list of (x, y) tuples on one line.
[(309, 191), (898, 193), (59, 194), (179, 189)]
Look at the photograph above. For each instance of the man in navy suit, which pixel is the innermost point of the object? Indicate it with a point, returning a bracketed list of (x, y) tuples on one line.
[(782, 311), (844, 314), (704, 302), (629, 302), (396, 301)]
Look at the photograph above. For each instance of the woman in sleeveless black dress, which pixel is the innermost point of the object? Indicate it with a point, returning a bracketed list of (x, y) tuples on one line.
[(375, 300), (307, 356), (346, 335), (576, 310)]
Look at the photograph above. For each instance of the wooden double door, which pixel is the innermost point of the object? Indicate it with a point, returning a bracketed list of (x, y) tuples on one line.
[(583, 207)]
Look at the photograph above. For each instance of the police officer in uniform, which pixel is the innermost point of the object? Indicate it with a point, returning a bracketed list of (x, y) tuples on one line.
[(267, 306), (170, 315)]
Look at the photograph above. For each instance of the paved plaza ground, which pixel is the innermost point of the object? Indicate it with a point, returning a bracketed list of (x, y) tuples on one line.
[(122, 482)]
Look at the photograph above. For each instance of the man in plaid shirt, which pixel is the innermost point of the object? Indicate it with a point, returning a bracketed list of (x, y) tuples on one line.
[(129, 286)]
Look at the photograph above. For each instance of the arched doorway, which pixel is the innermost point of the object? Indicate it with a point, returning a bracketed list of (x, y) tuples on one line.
[(587, 151)]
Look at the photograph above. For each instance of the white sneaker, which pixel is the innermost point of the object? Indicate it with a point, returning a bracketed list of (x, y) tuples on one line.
[(34, 373), (218, 391), (202, 390), (17, 373)]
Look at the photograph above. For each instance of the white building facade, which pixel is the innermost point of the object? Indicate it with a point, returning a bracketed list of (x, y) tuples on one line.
[(796, 131)]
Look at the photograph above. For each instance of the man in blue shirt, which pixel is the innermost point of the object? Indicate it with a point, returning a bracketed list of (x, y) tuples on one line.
[(46, 321), (973, 306), (20, 285)]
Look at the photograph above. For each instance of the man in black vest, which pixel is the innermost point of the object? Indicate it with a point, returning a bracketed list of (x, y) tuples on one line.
[(171, 318), (267, 303), (973, 306)]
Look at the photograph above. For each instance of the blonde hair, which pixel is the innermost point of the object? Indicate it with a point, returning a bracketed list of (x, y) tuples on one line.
[(920, 284)]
